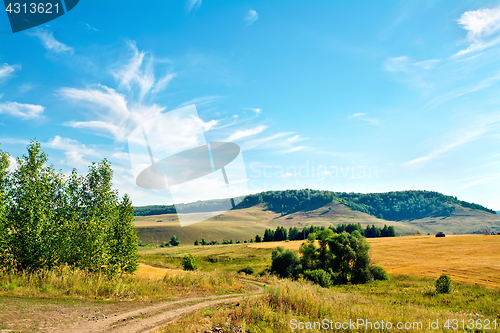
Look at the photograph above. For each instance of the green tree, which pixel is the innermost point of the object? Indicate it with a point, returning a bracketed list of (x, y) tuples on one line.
[(280, 234), (34, 243), (196, 243), (99, 210), (293, 233), (258, 239), (309, 259), (174, 240), (351, 261), (5, 256), (324, 255), (286, 263), (268, 235), (124, 241)]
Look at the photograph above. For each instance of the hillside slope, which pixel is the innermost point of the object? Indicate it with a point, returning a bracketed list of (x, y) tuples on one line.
[(433, 212)]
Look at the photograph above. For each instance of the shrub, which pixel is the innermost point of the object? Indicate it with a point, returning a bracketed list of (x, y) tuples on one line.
[(378, 273), (286, 263), (247, 270), (189, 263), (443, 284), (196, 243), (319, 276), (174, 240)]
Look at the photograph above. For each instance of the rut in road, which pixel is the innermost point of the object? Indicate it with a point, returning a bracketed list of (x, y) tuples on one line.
[(147, 319)]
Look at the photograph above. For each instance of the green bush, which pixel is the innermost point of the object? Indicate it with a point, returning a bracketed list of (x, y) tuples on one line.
[(286, 263), (189, 263), (174, 240), (443, 284), (319, 276), (378, 273), (247, 270)]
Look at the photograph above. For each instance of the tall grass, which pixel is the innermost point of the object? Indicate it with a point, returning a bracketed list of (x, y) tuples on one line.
[(289, 300), (73, 282)]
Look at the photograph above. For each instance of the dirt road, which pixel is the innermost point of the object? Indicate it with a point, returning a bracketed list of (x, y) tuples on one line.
[(147, 319)]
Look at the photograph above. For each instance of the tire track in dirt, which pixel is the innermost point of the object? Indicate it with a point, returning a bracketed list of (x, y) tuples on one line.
[(147, 319)]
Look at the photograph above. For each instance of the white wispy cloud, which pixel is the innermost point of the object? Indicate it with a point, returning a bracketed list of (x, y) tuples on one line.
[(251, 17), (115, 116), (193, 5), (199, 101), (162, 83), (485, 180), (463, 91), (6, 70), (50, 43), (362, 116), (482, 25), (137, 71), (291, 150), (409, 71), (13, 164), (90, 27), (243, 133), (24, 111), (359, 114), (73, 150), (117, 113), (281, 143), (483, 127), (256, 110)]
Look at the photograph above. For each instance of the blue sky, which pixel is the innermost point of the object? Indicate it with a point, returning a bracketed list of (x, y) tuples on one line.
[(355, 96)]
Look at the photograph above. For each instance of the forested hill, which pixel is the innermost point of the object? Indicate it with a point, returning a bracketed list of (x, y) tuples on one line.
[(393, 206)]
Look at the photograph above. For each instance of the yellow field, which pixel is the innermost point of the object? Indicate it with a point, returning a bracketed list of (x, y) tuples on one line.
[(465, 258), (154, 273)]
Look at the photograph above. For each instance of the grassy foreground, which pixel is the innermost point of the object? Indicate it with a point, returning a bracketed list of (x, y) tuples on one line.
[(404, 299), (70, 283)]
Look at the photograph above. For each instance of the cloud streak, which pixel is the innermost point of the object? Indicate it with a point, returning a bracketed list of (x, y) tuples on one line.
[(6, 70), (115, 117), (481, 25), (362, 116), (193, 5), (486, 126), (24, 111), (243, 133), (50, 43), (251, 17)]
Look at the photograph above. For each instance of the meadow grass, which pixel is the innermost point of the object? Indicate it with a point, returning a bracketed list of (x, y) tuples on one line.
[(231, 257), (402, 299), (68, 282)]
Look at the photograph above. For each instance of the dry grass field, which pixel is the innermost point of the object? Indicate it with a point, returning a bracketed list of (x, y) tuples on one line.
[(466, 258)]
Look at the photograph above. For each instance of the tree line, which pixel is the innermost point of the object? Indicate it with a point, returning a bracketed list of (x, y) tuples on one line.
[(293, 233), (49, 219), (393, 206)]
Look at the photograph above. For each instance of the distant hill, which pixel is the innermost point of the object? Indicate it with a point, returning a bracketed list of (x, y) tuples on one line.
[(391, 206), (409, 212)]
